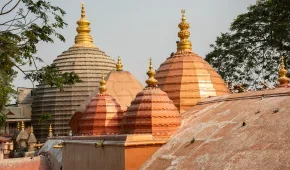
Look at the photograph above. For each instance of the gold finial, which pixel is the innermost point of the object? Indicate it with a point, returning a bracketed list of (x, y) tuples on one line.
[(283, 80), (31, 129), (184, 44), (103, 87), (50, 131), (18, 126), (83, 39), (119, 65), (151, 81), (22, 125)]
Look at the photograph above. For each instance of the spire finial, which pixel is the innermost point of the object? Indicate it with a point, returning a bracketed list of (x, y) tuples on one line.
[(83, 39), (119, 65), (151, 81), (103, 87), (18, 126), (50, 131), (83, 12), (184, 44), (283, 80), (31, 129), (22, 125)]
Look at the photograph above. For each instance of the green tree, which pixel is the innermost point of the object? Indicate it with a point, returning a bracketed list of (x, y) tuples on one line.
[(250, 52), (25, 23), (50, 75)]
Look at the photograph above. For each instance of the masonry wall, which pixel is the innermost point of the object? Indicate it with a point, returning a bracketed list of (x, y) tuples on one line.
[(84, 156)]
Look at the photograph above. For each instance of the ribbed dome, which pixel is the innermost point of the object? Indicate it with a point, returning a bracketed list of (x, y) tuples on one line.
[(103, 116), (89, 63), (151, 112), (186, 77)]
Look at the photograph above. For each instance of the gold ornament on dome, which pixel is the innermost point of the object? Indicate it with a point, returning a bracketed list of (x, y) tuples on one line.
[(119, 65), (184, 43), (83, 39), (103, 87), (151, 81), (283, 80), (22, 125)]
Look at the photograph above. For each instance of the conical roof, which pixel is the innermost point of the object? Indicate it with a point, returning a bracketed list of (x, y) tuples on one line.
[(103, 115), (151, 112), (83, 58), (186, 77), (122, 86)]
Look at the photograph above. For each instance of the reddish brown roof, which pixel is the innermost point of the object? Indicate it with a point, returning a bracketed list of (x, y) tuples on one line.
[(151, 112), (237, 131), (103, 115), (187, 79)]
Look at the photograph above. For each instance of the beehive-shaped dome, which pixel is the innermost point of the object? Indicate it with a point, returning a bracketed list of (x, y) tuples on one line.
[(103, 115), (122, 86), (83, 58), (186, 77), (151, 112)]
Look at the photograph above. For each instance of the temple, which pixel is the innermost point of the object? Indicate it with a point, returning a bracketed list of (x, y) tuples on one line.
[(184, 118), (186, 77), (83, 58)]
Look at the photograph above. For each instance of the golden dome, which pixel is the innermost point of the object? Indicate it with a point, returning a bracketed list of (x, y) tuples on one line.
[(83, 39), (186, 77)]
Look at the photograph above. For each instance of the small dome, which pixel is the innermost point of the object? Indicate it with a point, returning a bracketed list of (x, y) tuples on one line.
[(122, 86), (186, 77), (151, 112), (103, 115)]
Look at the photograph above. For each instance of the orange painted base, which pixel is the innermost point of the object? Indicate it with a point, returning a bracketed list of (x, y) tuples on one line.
[(136, 156)]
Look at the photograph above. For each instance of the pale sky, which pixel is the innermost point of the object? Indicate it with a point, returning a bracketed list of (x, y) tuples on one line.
[(137, 30)]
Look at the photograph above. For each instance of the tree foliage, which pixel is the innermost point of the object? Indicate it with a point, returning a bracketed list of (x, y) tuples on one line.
[(23, 24), (250, 52), (50, 75)]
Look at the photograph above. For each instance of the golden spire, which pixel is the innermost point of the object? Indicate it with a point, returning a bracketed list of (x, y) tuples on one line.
[(22, 125), (18, 126), (184, 44), (103, 87), (283, 80), (83, 39), (50, 131), (151, 81), (31, 129), (119, 65)]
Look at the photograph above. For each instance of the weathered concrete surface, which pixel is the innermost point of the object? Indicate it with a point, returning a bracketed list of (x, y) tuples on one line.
[(35, 163), (212, 135)]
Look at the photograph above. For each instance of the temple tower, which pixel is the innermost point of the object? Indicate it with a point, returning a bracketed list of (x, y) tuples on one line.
[(151, 112), (103, 115), (185, 76), (83, 58)]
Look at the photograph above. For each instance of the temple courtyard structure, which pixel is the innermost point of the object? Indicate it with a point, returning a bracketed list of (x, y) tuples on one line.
[(186, 117)]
